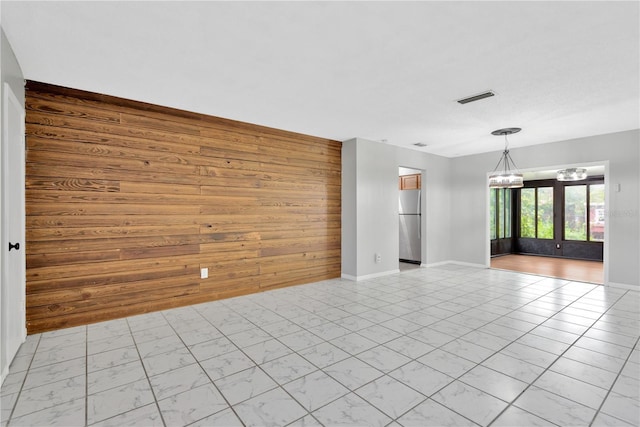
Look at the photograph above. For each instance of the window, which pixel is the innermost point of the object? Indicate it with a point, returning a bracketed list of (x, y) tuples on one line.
[(582, 223), (492, 213), (500, 213), (536, 212)]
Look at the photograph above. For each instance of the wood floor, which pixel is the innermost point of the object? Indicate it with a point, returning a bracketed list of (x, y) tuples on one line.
[(582, 271)]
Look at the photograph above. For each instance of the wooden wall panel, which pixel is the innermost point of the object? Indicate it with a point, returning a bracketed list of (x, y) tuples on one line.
[(126, 201)]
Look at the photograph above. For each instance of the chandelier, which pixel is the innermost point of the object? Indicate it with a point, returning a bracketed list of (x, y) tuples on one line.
[(572, 174), (508, 176)]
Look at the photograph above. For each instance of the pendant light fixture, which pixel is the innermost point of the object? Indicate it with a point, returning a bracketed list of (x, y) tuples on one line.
[(508, 176), (572, 174)]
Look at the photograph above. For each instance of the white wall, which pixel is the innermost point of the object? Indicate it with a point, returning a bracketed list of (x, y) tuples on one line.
[(370, 206), (11, 74), (469, 196)]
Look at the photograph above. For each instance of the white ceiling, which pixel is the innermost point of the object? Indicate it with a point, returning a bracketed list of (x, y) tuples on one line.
[(377, 70)]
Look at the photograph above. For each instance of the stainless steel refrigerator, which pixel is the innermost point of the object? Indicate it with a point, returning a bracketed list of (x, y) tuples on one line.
[(410, 223)]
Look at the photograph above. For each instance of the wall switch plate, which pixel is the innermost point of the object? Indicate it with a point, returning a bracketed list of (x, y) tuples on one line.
[(204, 273), (378, 258)]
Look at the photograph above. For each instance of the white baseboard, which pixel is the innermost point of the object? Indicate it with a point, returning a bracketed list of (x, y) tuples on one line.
[(466, 264), (369, 276), (623, 286)]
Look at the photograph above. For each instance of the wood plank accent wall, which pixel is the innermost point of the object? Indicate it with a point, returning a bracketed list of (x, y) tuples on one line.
[(126, 201)]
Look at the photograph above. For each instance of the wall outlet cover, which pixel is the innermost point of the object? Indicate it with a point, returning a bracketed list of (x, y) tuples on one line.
[(204, 273)]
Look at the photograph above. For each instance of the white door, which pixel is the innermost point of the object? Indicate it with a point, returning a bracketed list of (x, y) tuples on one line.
[(13, 228)]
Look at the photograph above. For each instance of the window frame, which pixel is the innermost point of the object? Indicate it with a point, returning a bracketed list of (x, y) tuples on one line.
[(587, 183)]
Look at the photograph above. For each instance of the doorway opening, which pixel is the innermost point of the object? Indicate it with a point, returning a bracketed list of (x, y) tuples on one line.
[(551, 227), (410, 218)]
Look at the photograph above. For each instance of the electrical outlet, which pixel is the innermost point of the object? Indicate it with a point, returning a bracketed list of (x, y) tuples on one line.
[(204, 273), (378, 258)]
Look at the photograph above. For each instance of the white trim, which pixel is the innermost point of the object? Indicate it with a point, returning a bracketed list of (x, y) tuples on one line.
[(623, 286), (465, 264), (369, 276)]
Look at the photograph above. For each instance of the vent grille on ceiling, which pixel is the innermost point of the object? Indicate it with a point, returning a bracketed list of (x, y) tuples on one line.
[(478, 97), (420, 144)]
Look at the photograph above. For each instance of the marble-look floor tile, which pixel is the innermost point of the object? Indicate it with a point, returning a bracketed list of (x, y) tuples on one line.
[(281, 328), (267, 351), (48, 396), (177, 381), (576, 390), (21, 363), (112, 358), (447, 363), (354, 323), (271, 409), (248, 338), (420, 377), (486, 340), (215, 347), (516, 417), (329, 331), (478, 406), (467, 350), (390, 396), (244, 385), (351, 410), (114, 401), (193, 405), (493, 382), (623, 407), (165, 362), (226, 418), (604, 420), (59, 354), (530, 355), (227, 364), (7, 403), (288, 368), (37, 377), (153, 334), (110, 343), (13, 383), (324, 354), (556, 409), (146, 321), (315, 390), (627, 386), (583, 372), (431, 336), (432, 414), (352, 372), (599, 360), (162, 345), (202, 334), (115, 377), (147, 416), (308, 421), (65, 414), (409, 347), (300, 340), (383, 358), (353, 343), (513, 367)]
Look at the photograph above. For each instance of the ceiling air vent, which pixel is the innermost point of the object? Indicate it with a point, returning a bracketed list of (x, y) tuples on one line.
[(487, 94), (420, 144)]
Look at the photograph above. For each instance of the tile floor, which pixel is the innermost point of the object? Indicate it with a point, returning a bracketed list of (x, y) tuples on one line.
[(443, 346)]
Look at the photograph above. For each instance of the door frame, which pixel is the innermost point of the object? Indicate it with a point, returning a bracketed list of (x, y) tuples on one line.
[(11, 308), (607, 198)]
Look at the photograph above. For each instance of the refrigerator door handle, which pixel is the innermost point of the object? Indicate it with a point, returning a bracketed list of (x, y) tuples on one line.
[(419, 214)]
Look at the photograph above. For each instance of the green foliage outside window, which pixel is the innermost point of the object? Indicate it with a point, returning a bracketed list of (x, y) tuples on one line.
[(527, 212), (575, 212), (545, 213)]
